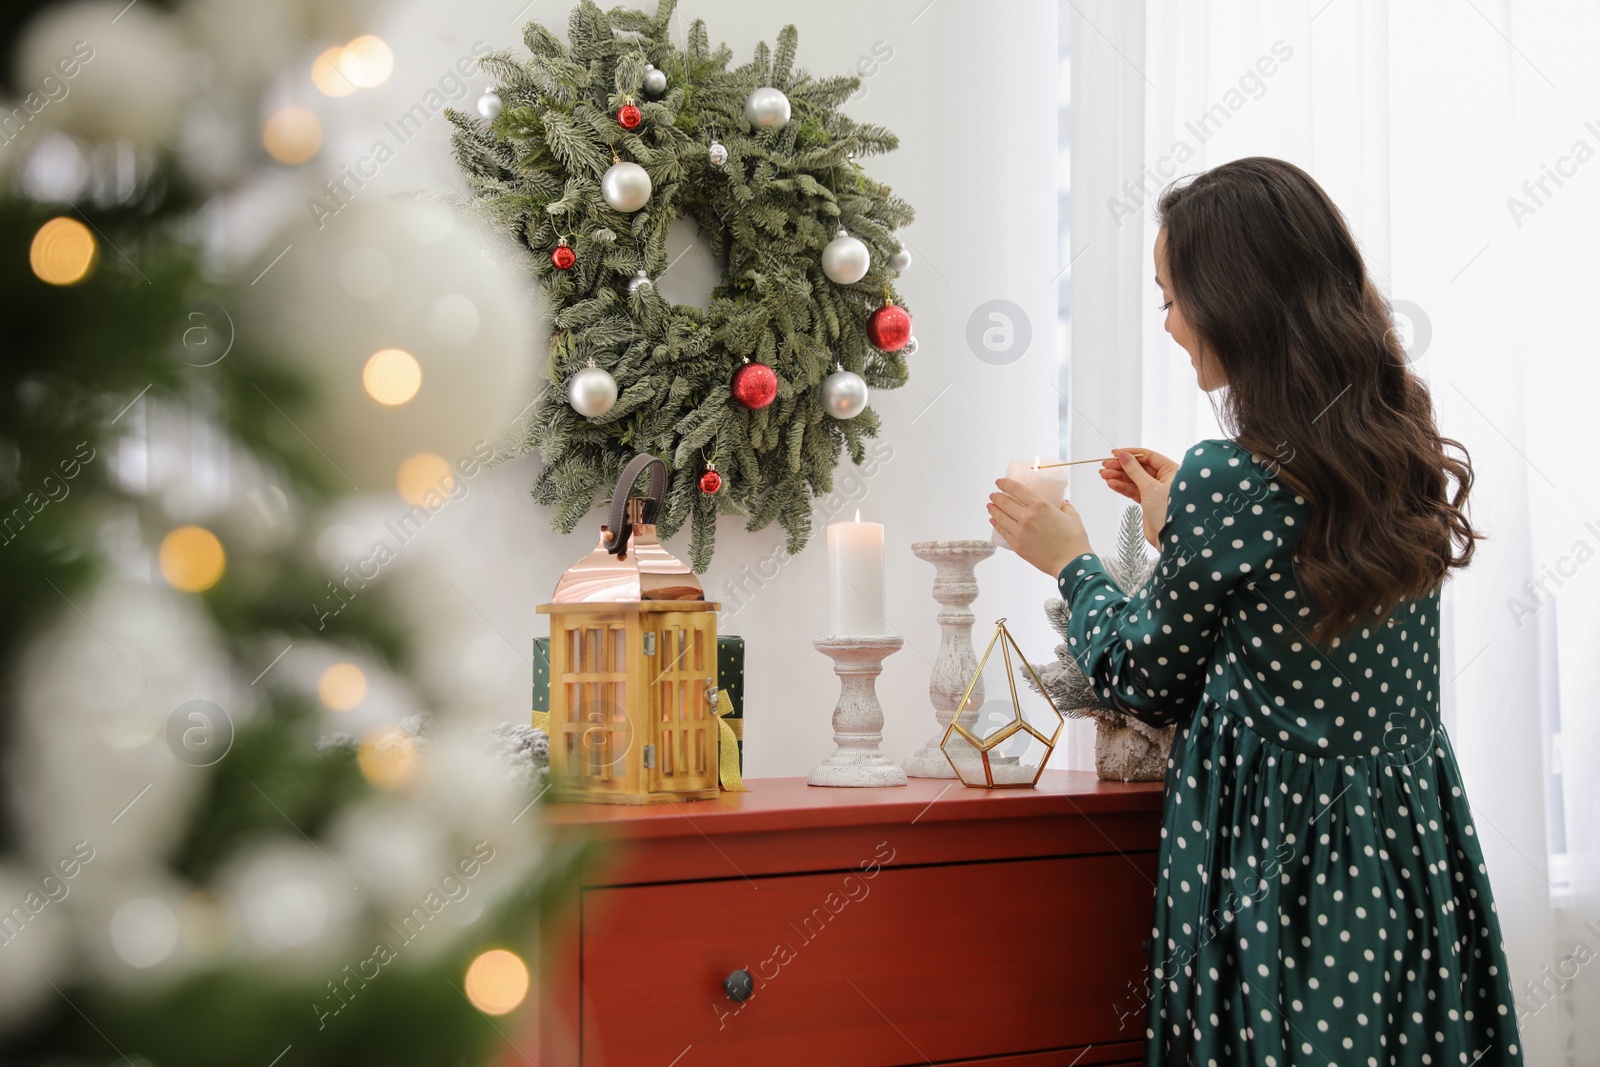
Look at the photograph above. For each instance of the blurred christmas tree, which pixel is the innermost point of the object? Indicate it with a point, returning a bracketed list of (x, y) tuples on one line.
[(195, 866)]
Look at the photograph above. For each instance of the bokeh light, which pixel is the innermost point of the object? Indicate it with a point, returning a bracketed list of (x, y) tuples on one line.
[(392, 376), (367, 61), (192, 559), (497, 981), (144, 932), (63, 251), (292, 135), (424, 476), (387, 757), (342, 686), (327, 77)]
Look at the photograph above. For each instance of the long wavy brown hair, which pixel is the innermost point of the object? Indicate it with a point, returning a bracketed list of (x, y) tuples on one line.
[(1271, 281)]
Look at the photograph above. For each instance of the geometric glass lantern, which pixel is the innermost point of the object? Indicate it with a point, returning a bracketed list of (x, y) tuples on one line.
[(633, 665), (1006, 742)]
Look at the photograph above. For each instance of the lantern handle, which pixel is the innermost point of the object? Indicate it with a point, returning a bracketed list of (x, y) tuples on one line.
[(619, 499)]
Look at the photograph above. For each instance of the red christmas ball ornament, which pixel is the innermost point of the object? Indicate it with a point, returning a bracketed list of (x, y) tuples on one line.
[(563, 256), (889, 328), (710, 482), (629, 116), (755, 385)]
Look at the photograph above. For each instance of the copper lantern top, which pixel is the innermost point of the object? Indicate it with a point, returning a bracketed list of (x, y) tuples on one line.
[(629, 564)]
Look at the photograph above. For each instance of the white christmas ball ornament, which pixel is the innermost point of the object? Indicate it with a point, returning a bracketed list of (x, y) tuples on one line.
[(655, 82), (390, 849), (717, 154), (452, 300), (130, 81), (41, 948), (489, 105), (640, 280), (900, 261), (845, 259), (295, 909), (625, 186), (844, 393), (910, 347), (94, 710), (766, 108), (592, 392)]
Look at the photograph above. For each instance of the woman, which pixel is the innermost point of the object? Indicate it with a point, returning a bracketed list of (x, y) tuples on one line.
[(1323, 898)]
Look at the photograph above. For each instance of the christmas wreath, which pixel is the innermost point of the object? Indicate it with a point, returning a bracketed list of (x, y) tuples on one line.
[(586, 153)]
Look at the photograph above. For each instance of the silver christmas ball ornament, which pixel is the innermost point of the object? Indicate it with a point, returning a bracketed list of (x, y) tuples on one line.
[(844, 394), (900, 261), (717, 155), (489, 105), (910, 347), (640, 280), (655, 82), (766, 108), (845, 259), (625, 186), (592, 392)]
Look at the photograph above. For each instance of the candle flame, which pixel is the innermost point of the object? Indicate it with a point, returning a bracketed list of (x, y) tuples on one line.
[(858, 514)]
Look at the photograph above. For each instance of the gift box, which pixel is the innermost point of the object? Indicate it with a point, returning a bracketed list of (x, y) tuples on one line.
[(730, 679)]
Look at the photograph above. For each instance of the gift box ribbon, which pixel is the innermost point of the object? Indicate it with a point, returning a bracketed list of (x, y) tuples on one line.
[(728, 735)]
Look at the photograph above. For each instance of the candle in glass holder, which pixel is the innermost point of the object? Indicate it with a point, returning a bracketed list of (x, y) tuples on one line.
[(1050, 483), (856, 579)]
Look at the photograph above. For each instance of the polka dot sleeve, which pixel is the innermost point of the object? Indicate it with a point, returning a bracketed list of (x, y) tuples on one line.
[(1147, 653)]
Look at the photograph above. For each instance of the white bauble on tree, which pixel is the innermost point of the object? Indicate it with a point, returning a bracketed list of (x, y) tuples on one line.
[(844, 393), (625, 186), (900, 261), (654, 83), (36, 951), (295, 909), (412, 322), (845, 259), (766, 108), (490, 105), (247, 43), (95, 703), (592, 392), (388, 848), (130, 81)]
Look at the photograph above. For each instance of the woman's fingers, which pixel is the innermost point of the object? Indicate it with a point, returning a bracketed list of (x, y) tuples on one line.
[(1154, 463), (1009, 506), (1017, 490), (1118, 483)]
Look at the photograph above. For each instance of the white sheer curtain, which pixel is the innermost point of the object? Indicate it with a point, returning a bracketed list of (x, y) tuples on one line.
[(1422, 120)]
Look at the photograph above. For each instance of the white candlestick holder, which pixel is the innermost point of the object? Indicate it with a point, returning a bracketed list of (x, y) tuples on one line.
[(955, 587), (858, 717)]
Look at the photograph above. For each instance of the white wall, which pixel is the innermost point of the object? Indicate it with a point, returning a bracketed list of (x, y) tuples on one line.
[(970, 89)]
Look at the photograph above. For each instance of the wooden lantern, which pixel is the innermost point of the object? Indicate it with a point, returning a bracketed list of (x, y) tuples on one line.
[(633, 665)]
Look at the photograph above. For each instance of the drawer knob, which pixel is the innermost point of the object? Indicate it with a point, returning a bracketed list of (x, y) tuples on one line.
[(739, 985)]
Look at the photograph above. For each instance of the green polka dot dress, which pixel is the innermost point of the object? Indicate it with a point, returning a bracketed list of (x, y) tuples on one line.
[(1322, 897)]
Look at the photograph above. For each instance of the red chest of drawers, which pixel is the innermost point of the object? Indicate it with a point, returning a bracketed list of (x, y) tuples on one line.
[(930, 924)]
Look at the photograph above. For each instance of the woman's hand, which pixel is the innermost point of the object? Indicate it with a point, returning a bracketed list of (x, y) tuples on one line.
[(1145, 480), (1046, 536)]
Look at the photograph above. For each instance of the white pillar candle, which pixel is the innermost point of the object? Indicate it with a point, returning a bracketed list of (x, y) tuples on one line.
[(1050, 483), (856, 579)]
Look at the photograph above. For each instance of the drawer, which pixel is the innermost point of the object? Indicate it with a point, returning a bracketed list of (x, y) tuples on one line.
[(910, 965)]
